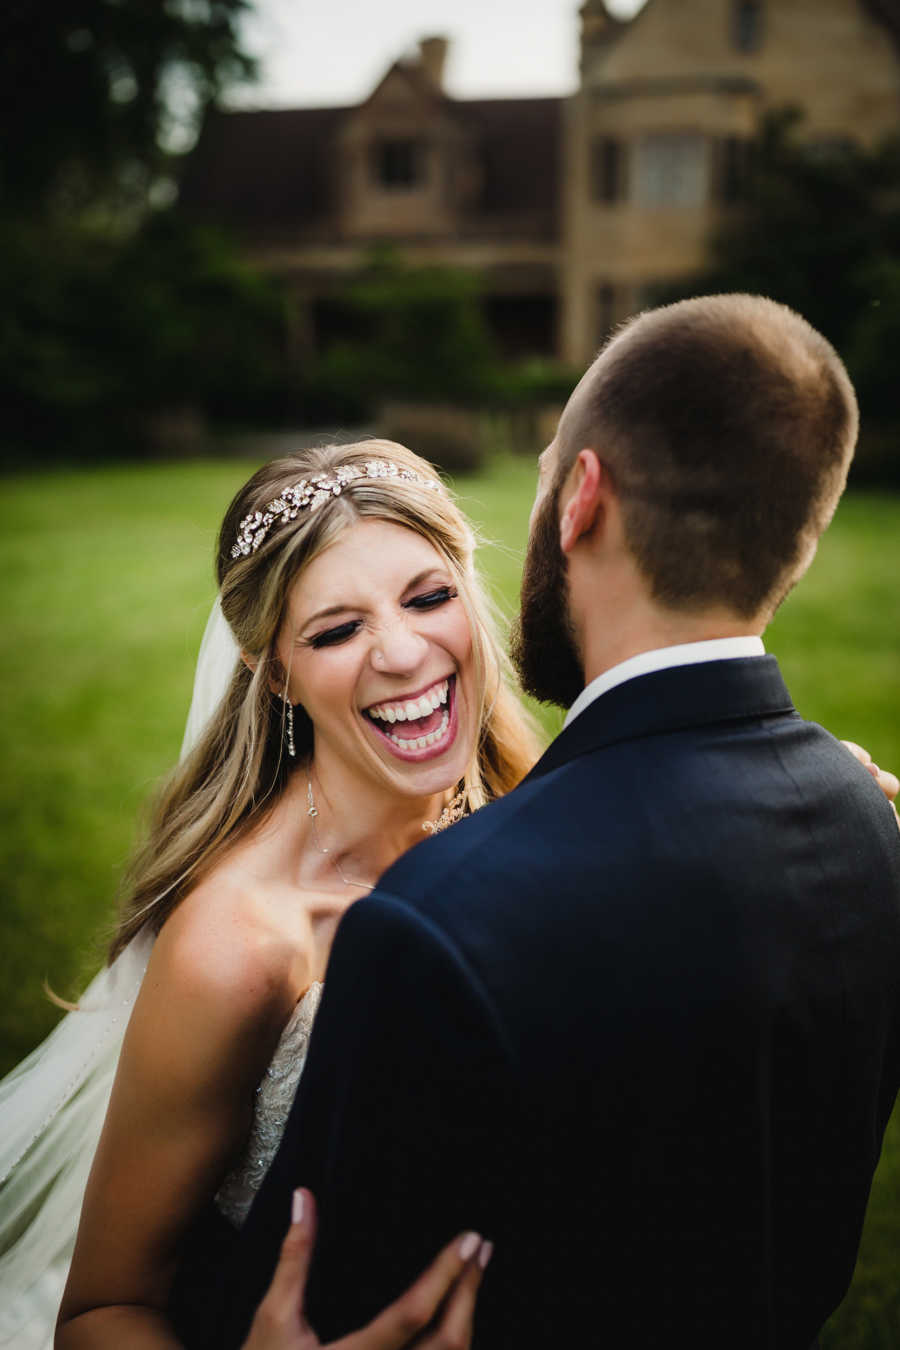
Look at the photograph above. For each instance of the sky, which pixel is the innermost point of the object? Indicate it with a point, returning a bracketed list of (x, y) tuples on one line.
[(320, 52)]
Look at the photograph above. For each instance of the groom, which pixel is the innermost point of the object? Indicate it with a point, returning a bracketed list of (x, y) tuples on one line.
[(638, 1023)]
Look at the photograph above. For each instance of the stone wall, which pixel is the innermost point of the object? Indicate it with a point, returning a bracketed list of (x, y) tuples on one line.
[(657, 128)]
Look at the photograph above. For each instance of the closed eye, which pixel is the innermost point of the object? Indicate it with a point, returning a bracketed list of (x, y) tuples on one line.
[(332, 636), (432, 599)]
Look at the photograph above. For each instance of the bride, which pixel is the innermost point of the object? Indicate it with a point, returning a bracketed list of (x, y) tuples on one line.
[(367, 707)]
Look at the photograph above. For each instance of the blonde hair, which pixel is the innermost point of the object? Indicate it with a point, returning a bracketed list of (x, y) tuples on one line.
[(237, 769)]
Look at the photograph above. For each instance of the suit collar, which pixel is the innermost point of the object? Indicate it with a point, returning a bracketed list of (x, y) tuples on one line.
[(672, 700)]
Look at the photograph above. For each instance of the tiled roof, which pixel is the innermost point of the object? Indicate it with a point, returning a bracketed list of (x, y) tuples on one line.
[(255, 168), (259, 171)]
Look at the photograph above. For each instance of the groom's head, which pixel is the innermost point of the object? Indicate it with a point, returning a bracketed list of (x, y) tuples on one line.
[(693, 470)]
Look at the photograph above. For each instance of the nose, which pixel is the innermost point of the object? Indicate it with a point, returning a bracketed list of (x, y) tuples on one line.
[(398, 649)]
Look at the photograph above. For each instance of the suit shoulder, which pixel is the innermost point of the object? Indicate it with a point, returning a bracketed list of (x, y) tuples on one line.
[(436, 858)]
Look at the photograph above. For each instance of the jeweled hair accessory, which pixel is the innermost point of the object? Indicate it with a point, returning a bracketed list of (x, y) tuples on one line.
[(312, 492)]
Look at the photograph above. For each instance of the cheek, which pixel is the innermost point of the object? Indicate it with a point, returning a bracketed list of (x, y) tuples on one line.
[(322, 679), (461, 638)]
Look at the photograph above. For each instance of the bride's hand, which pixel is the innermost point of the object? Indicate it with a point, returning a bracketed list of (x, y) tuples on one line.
[(887, 781), (446, 1290)]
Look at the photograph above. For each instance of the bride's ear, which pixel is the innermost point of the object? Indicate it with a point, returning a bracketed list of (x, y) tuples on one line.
[(277, 678)]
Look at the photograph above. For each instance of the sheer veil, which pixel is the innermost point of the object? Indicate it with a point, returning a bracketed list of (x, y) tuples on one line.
[(53, 1104)]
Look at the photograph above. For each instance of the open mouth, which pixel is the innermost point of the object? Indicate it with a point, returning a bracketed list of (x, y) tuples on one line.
[(420, 726)]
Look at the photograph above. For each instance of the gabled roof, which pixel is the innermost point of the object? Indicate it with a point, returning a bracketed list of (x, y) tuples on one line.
[(277, 170), (411, 69)]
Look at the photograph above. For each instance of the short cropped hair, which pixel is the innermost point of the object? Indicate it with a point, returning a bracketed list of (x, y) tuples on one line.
[(727, 424)]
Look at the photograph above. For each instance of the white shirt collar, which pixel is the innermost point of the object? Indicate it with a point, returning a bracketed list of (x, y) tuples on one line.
[(686, 654)]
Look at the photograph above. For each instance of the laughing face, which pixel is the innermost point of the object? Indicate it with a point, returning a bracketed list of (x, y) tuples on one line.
[(379, 649)]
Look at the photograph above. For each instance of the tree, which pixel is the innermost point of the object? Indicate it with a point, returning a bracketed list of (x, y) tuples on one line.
[(819, 230), (114, 309), (403, 332), (92, 91)]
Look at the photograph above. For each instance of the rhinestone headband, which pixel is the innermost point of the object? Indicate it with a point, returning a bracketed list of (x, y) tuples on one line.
[(311, 493)]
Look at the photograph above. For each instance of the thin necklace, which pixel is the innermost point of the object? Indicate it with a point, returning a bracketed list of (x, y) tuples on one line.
[(312, 812)]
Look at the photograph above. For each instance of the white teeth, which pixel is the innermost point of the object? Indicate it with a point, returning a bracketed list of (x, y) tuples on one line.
[(420, 742), (427, 703)]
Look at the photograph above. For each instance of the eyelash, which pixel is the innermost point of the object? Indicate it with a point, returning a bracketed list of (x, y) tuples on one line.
[(332, 637)]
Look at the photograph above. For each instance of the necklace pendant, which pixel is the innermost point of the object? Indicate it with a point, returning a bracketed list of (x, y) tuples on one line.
[(452, 812)]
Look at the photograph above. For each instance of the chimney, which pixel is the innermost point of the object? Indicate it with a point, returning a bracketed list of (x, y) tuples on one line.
[(432, 55)]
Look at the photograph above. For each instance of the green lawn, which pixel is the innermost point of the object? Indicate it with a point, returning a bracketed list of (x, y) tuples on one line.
[(106, 581)]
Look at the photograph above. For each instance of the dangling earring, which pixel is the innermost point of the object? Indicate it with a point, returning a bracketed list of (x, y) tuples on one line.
[(289, 725)]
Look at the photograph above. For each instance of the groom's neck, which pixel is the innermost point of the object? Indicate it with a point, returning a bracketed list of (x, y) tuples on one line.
[(609, 640), (616, 616)]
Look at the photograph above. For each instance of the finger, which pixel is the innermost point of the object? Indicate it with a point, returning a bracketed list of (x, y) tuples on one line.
[(888, 782), (284, 1298), (396, 1326), (458, 1318), (858, 752)]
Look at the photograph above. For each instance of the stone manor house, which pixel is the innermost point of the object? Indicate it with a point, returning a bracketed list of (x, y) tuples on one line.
[(569, 209)]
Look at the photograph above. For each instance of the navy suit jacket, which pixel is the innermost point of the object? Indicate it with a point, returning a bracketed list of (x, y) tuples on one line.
[(638, 1023)]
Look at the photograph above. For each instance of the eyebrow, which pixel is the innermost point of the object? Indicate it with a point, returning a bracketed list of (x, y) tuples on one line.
[(342, 609)]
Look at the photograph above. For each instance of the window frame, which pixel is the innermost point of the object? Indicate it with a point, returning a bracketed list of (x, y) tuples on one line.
[(387, 155), (650, 195), (748, 22)]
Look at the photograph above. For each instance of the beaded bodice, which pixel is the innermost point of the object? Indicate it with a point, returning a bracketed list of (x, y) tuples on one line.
[(274, 1097)]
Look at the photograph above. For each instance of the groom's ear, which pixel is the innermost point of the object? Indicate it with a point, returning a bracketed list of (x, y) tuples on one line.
[(588, 487)]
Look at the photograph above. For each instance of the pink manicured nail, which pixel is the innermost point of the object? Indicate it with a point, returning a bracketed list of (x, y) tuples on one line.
[(485, 1254), (297, 1207), (469, 1246)]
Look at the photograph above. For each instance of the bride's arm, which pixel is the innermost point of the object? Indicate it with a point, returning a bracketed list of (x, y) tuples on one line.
[(204, 1027)]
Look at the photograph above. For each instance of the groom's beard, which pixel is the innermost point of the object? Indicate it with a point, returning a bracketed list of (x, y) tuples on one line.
[(542, 643)]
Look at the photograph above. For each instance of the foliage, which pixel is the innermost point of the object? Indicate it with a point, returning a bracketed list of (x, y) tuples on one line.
[(113, 310), (819, 230), (410, 346), (401, 332), (534, 382), (98, 334), (91, 90)]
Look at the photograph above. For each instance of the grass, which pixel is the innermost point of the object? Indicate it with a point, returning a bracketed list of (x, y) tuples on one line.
[(106, 582)]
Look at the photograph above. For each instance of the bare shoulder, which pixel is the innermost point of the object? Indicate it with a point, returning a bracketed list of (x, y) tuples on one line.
[(224, 952)]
